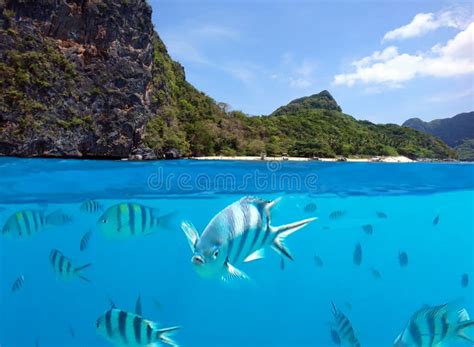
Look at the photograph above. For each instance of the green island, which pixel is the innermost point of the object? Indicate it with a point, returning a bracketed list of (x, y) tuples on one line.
[(99, 83)]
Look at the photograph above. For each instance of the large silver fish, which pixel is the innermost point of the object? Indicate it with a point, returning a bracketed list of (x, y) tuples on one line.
[(124, 328), (436, 326), (344, 328), (237, 234)]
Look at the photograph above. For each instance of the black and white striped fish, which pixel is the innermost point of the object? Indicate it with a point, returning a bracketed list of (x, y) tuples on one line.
[(90, 206), (29, 222), (85, 240), (344, 328), (436, 326), (237, 234), (63, 268), (124, 328), (18, 283), (126, 220)]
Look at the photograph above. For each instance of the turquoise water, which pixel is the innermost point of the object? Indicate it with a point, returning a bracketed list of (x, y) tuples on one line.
[(277, 307)]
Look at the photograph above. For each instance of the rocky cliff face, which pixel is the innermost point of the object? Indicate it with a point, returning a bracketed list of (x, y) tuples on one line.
[(75, 76)]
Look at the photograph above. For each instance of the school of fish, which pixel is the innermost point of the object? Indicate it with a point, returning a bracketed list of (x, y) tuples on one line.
[(239, 233)]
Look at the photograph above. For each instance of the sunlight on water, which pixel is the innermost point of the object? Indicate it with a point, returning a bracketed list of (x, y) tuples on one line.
[(423, 210)]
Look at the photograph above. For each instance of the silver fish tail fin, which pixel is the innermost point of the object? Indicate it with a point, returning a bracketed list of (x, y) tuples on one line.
[(191, 234), (465, 330), (78, 270), (58, 218), (164, 335), (284, 231)]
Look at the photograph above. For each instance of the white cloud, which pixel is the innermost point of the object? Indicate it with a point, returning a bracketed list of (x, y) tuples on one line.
[(299, 82), (452, 96), (299, 74), (424, 23), (391, 68), (189, 42)]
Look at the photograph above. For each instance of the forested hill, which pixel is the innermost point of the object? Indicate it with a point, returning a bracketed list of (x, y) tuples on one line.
[(457, 132), (92, 79)]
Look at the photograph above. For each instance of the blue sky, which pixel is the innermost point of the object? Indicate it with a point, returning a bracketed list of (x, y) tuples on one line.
[(382, 61)]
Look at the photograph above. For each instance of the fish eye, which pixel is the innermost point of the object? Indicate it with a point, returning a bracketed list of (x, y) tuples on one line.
[(216, 253), (104, 221)]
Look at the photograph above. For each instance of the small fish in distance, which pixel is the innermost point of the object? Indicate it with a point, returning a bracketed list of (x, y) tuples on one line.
[(403, 259), (381, 215), (337, 214), (376, 274), (85, 240), (318, 261), (357, 255), (29, 222), (310, 207), (465, 280), (368, 229), (239, 233), (90, 206), (436, 220), (63, 268), (18, 283)]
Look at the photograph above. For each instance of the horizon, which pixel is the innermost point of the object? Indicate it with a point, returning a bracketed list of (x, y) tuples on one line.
[(415, 63)]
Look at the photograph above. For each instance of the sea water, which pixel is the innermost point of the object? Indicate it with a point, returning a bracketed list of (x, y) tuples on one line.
[(279, 306)]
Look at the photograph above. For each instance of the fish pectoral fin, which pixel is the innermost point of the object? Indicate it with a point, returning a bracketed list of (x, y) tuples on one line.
[(232, 273), (191, 234), (257, 255)]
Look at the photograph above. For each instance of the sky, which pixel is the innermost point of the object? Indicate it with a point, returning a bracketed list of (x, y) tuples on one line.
[(383, 61)]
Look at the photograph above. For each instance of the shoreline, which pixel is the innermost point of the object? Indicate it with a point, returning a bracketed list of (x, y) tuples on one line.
[(376, 159)]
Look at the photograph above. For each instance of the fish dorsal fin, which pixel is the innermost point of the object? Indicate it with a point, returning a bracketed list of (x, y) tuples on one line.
[(262, 203), (112, 304), (138, 306), (257, 255), (191, 234), (232, 273)]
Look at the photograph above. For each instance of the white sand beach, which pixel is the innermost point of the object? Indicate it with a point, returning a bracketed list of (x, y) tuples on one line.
[(389, 159)]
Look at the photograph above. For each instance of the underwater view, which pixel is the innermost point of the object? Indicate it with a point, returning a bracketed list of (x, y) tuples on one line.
[(235, 254)]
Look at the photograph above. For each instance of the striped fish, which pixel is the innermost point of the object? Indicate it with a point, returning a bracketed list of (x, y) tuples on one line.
[(63, 268), (436, 326), (85, 240), (344, 328), (124, 328), (18, 283), (126, 220), (29, 222), (90, 206), (237, 234)]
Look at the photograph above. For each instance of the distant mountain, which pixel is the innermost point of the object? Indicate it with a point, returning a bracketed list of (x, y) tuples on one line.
[(323, 100), (315, 126), (457, 132)]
